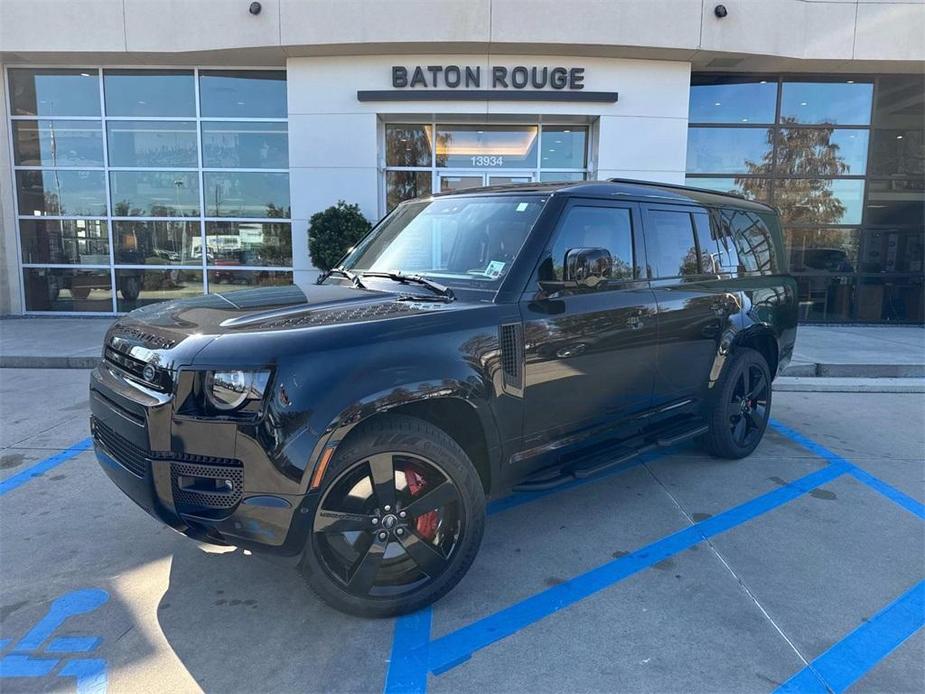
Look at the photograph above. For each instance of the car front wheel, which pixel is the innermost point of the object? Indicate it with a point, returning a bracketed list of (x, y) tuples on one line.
[(399, 520), (741, 406)]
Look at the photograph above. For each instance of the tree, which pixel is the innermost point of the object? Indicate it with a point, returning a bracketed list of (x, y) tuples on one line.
[(332, 232)]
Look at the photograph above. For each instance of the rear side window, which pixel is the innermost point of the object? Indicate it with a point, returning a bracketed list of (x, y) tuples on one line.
[(670, 247), (752, 239), (593, 227)]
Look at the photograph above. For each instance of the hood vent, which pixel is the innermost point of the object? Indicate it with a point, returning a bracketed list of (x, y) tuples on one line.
[(352, 314)]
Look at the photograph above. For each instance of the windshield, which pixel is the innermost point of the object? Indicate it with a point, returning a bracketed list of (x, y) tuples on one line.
[(469, 240)]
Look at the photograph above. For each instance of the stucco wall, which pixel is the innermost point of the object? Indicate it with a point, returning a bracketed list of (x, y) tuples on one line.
[(334, 149), (681, 29)]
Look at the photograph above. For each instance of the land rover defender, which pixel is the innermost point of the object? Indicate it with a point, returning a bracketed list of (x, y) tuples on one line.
[(474, 345)]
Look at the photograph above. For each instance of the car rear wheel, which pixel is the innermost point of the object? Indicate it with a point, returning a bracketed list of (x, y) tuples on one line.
[(742, 406), (399, 520)]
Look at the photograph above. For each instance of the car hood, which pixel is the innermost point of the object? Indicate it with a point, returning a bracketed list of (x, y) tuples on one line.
[(200, 319)]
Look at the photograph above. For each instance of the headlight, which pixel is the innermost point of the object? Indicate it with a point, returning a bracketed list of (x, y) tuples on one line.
[(229, 390)]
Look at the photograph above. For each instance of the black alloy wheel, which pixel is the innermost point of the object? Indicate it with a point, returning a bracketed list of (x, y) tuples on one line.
[(742, 406), (747, 409), (396, 525)]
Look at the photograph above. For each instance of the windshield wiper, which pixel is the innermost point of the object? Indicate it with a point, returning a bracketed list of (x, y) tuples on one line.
[(436, 288), (352, 276)]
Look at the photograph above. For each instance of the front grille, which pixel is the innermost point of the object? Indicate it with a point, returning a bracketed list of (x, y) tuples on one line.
[(213, 486), (127, 454), (197, 490)]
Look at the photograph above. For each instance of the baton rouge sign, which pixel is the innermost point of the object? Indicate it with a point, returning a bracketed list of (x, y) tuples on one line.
[(500, 83)]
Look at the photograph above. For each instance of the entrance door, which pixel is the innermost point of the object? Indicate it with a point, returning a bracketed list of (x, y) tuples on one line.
[(453, 180)]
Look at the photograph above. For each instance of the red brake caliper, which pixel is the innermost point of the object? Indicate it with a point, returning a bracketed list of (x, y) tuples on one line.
[(426, 524)]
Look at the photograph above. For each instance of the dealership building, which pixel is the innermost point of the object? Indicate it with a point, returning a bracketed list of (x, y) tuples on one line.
[(158, 149)]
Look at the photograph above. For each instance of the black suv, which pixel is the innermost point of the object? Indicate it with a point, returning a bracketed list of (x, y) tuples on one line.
[(478, 344)]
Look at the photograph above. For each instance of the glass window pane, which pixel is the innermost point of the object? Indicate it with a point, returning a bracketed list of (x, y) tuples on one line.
[(59, 192), (732, 100), (56, 289), (822, 151), (826, 298), (246, 194), (149, 93), (898, 153), (897, 201), (451, 183), (59, 241), (564, 147), (141, 287), (242, 94), (245, 145), (152, 143), (896, 299), (892, 250), (408, 145), (224, 281), (487, 146), (900, 102), (593, 227), (57, 143), (562, 176), (823, 250), (750, 188), (817, 202), (843, 103), (670, 247), (157, 243), (712, 252), (249, 243), (406, 185), (54, 92), (729, 150), (154, 194)]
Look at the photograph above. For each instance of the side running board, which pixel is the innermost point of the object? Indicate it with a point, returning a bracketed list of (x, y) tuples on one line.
[(607, 457)]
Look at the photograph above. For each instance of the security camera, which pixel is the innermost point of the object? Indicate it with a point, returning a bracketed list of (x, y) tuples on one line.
[(720, 10), (255, 8)]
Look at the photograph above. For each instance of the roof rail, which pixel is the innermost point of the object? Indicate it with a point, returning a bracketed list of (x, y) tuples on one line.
[(678, 185)]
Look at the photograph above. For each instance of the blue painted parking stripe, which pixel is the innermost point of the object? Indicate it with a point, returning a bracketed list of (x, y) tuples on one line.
[(856, 654), (43, 466), (454, 648), (408, 665), (878, 485)]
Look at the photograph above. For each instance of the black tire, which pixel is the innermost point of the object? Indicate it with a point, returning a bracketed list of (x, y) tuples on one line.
[(741, 406), (348, 564)]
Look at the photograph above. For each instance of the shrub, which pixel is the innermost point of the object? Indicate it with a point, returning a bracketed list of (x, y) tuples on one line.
[(333, 231)]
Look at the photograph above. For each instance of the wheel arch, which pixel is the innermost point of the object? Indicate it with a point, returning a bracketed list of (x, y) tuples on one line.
[(468, 422), (763, 340)]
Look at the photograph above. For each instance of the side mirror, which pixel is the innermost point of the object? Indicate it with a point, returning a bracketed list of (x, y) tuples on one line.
[(588, 267)]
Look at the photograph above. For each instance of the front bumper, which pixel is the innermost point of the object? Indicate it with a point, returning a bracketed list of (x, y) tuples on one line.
[(205, 496)]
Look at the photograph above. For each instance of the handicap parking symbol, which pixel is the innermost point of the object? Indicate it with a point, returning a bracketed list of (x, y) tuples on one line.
[(28, 658)]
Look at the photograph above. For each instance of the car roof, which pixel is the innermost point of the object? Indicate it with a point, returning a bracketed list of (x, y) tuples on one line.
[(622, 187)]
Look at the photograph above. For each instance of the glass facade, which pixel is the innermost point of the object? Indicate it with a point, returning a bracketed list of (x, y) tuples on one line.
[(425, 158), (138, 186), (844, 161)]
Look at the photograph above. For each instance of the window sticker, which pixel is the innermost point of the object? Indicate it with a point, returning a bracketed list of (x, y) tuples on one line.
[(521, 206), (496, 267)]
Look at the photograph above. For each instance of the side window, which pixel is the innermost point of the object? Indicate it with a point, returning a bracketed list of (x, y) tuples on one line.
[(593, 227), (710, 262), (753, 241), (725, 241), (670, 246)]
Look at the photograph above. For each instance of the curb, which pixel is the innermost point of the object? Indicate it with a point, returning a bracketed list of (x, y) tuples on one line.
[(855, 370), (31, 362), (817, 384)]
